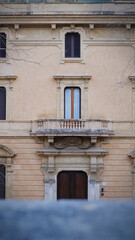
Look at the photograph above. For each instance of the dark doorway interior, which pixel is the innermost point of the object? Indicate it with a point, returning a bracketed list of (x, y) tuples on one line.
[(2, 181), (72, 185)]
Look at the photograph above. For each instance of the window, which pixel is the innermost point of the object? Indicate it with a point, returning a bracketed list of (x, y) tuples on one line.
[(72, 103), (2, 45), (2, 103), (2, 181), (72, 45)]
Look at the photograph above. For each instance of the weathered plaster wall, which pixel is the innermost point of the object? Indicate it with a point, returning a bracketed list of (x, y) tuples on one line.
[(35, 57)]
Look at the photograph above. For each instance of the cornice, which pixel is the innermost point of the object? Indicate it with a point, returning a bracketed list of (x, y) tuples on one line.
[(67, 19)]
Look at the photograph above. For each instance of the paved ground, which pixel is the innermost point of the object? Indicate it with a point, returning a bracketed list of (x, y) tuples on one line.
[(67, 220)]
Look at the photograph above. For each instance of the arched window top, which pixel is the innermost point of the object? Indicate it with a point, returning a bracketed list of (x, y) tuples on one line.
[(2, 45), (72, 45)]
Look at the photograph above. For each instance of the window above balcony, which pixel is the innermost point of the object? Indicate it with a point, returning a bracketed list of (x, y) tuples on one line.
[(73, 102)]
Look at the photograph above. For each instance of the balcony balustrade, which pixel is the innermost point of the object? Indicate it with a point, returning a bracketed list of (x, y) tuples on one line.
[(64, 126)]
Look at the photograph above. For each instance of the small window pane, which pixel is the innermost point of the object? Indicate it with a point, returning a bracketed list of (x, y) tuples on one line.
[(77, 45), (2, 45), (72, 45), (76, 103), (2, 103), (68, 45), (2, 181), (67, 103)]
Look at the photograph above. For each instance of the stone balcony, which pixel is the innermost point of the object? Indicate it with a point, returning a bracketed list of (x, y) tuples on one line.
[(63, 127)]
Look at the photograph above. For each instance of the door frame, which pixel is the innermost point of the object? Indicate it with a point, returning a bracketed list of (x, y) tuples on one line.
[(51, 187)]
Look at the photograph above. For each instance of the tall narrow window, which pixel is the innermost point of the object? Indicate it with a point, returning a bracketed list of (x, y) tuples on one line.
[(2, 103), (72, 103), (2, 45), (2, 181), (72, 45)]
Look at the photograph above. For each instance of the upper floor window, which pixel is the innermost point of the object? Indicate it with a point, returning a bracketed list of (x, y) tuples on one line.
[(2, 45), (72, 45), (72, 103), (2, 103)]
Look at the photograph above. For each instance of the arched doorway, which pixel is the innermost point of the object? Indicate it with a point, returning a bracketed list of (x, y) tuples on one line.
[(72, 185), (2, 181)]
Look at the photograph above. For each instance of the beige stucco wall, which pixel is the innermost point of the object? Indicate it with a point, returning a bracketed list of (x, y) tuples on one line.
[(35, 53), (35, 57), (28, 180)]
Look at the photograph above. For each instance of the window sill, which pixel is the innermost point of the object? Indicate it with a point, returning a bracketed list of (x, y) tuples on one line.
[(72, 60), (4, 60)]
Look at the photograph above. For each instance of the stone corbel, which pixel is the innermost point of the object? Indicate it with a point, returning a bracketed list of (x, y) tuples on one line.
[(93, 164), (128, 27), (53, 26), (96, 164), (91, 26), (48, 164), (16, 27)]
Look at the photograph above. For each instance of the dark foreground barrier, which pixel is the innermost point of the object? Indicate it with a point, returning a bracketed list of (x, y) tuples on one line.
[(67, 220)]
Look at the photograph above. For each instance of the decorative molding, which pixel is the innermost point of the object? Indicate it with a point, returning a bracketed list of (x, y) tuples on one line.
[(6, 152), (67, 142), (7, 77), (75, 18), (72, 77)]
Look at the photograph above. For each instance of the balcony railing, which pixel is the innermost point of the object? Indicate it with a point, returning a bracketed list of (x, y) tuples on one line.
[(59, 126)]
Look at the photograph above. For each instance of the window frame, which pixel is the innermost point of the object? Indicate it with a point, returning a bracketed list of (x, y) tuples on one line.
[(7, 58), (5, 100), (73, 43), (7, 82), (71, 29), (80, 81), (72, 101), (5, 49)]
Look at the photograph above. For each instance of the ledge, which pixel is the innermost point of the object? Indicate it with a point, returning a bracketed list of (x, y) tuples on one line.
[(73, 76), (8, 77)]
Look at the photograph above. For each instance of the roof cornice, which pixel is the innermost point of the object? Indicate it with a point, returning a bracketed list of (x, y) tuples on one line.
[(66, 19)]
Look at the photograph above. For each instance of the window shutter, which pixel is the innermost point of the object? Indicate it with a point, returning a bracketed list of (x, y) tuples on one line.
[(2, 45), (2, 103)]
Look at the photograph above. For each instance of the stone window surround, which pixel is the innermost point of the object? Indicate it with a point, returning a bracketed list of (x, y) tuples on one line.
[(79, 30), (64, 81), (7, 82), (6, 156)]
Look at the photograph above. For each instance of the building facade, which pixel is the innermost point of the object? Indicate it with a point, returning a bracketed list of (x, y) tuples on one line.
[(67, 99)]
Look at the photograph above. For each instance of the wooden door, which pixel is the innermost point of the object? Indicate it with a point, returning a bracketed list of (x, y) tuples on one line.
[(72, 185)]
